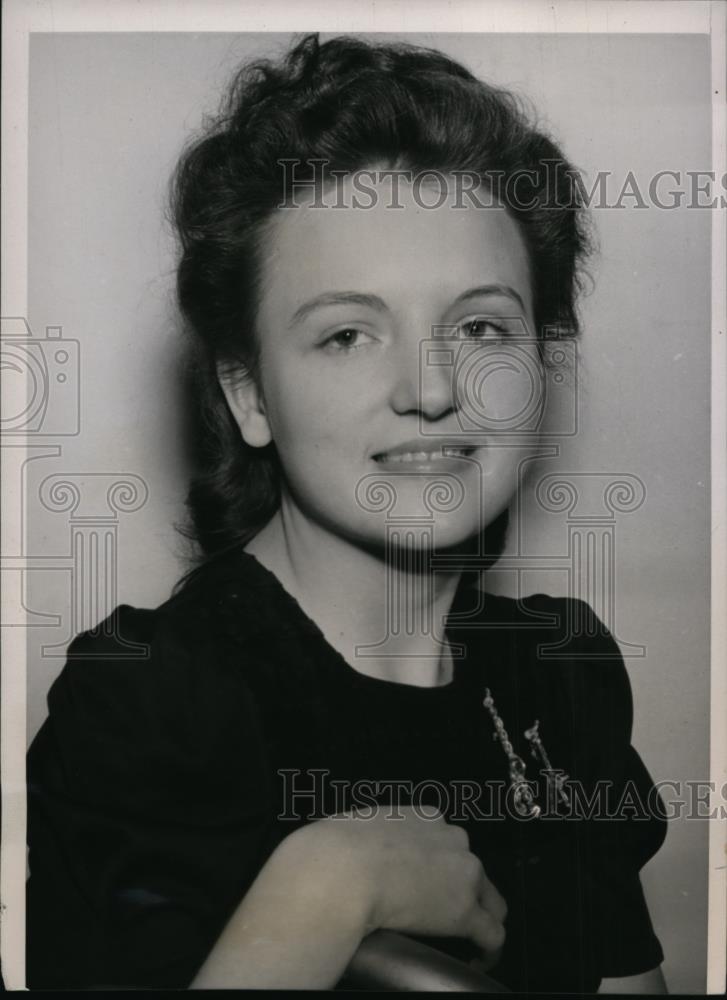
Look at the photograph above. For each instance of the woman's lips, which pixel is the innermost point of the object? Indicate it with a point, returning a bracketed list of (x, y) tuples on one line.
[(430, 457)]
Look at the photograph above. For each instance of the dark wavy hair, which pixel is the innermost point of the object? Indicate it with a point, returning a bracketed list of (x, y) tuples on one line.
[(352, 103)]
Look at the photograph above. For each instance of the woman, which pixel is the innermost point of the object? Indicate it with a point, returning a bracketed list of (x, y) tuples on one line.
[(329, 728)]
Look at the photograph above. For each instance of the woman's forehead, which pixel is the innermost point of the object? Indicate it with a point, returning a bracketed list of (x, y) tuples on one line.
[(360, 237)]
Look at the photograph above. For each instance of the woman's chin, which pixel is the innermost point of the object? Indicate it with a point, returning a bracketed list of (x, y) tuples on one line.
[(440, 535)]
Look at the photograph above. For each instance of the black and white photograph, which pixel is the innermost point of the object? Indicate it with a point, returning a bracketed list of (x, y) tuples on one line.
[(364, 542)]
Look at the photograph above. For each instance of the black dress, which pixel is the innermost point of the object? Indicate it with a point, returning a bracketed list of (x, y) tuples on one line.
[(184, 743)]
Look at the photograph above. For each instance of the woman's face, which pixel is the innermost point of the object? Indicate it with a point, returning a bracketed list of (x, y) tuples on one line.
[(398, 364)]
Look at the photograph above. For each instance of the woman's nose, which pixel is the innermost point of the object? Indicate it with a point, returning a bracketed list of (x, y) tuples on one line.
[(423, 380)]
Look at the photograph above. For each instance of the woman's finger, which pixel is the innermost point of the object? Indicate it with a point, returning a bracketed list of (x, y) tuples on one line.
[(458, 836), (490, 899), (487, 933)]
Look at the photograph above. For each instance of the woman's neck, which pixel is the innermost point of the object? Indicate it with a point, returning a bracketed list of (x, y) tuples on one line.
[(383, 612)]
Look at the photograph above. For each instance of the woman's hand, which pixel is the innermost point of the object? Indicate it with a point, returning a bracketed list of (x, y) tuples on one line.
[(410, 872), (330, 883)]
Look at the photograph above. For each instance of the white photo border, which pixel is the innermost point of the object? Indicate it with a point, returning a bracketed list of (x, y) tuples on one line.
[(21, 18)]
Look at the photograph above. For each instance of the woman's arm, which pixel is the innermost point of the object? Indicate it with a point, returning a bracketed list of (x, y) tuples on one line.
[(297, 927), (331, 883), (646, 982)]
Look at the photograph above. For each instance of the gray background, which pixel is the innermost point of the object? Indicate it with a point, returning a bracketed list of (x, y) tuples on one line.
[(108, 115)]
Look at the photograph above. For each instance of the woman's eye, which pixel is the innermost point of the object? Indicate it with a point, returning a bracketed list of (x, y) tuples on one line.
[(481, 329), (347, 339)]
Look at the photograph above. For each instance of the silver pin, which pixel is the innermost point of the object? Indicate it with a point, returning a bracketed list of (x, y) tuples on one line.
[(523, 798), (538, 751)]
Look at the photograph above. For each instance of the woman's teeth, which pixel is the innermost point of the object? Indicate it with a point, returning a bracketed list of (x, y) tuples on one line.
[(423, 456)]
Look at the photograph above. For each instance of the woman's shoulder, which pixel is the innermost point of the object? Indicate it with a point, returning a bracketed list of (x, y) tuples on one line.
[(170, 650), (566, 627), (570, 615), (143, 693), (193, 614), (561, 644), (193, 657)]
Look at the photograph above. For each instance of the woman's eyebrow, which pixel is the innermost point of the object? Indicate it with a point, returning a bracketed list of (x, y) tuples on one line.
[(481, 291), (337, 299), (375, 302)]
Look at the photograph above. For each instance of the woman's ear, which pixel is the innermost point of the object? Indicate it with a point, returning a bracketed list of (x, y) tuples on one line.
[(245, 401)]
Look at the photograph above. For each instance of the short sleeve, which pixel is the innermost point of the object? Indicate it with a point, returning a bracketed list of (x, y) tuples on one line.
[(627, 823), (149, 807)]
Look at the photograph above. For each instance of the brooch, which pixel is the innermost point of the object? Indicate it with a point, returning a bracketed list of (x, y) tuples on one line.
[(522, 794)]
